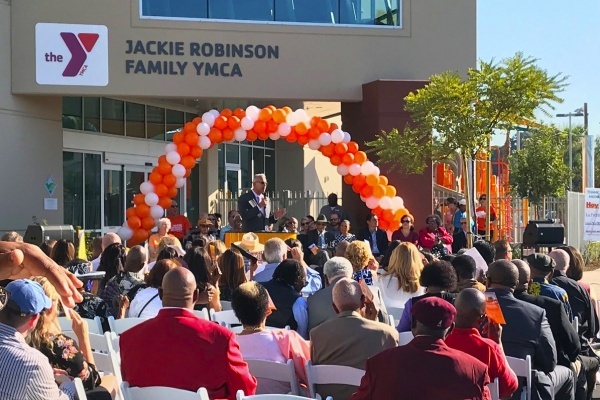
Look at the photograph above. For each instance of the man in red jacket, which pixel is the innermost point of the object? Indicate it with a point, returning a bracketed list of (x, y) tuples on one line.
[(179, 350), (426, 368)]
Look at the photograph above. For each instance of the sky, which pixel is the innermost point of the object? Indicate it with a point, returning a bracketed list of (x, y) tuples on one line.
[(564, 35)]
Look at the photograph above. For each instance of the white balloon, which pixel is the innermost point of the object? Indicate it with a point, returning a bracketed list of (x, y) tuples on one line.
[(372, 202), (302, 115), (337, 136), (180, 182), (246, 123), (292, 119), (239, 134), (157, 211), (354, 169), (178, 170), (376, 171), (252, 113), (363, 199), (208, 119), (385, 203), (314, 144), (204, 142), (324, 139), (367, 168), (203, 129), (173, 157), (170, 147), (215, 113), (397, 202), (347, 138), (274, 136), (342, 169), (284, 129), (151, 199), (125, 233), (146, 187)]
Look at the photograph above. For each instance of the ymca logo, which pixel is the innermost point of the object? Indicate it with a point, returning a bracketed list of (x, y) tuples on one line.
[(71, 54)]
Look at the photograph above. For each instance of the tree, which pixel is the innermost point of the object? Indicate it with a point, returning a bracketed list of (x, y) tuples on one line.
[(463, 114), (538, 170)]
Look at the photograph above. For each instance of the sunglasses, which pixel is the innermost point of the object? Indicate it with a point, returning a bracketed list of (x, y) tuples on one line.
[(406, 221), (305, 223), (334, 219)]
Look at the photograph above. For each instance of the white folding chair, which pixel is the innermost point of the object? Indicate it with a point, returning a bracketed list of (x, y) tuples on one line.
[(396, 312), (80, 389), (494, 388), (405, 338), (94, 325), (226, 305), (522, 368), (276, 371), (227, 317), (331, 374), (161, 393), (202, 314), (391, 321), (240, 396), (119, 326), (575, 324)]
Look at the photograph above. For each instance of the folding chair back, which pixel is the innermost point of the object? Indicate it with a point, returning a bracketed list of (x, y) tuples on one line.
[(331, 374), (161, 393), (276, 371), (94, 325), (494, 388), (522, 368), (119, 326), (202, 314), (227, 317)]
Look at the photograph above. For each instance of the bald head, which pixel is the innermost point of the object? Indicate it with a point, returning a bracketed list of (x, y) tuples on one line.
[(179, 289), (561, 258), (503, 274), (136, 259), (110, 238), (470, 308), (524, 274), (347, 295)]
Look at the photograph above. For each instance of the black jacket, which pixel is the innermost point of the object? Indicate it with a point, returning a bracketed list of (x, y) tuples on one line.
[(284, 297), (380, 236), (253, 219), (459, 241)]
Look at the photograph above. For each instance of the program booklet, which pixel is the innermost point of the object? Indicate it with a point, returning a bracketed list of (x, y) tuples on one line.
[(493, 310)]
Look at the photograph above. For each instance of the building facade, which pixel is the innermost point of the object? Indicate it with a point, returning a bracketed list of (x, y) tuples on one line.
[(91, 92)]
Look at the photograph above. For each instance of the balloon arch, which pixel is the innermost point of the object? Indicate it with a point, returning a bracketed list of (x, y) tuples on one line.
[(216, 127)]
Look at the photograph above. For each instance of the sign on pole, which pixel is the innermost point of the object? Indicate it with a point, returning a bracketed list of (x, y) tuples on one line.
[(591, 219)]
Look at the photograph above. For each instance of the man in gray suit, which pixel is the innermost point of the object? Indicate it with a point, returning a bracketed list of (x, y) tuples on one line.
[(350, 338), (527, 333)]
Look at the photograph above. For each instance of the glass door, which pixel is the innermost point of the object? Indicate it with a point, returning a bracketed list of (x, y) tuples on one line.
[(232, 180)]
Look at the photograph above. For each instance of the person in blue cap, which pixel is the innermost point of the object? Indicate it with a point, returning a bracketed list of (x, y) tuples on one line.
[(542, 267)]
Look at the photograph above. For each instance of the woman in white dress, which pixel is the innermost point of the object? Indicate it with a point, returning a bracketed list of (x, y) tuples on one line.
[(401, 281)]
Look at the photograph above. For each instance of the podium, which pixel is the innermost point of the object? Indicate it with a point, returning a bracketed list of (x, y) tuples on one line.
[(231, 237)]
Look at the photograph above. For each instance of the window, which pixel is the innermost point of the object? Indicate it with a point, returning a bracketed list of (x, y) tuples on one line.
[(175, 8), (73, 188), (232, 153), (92, 196), (155, 123), (174, 123), (135, 120), (91, 114), (72, 113), (113, 118)]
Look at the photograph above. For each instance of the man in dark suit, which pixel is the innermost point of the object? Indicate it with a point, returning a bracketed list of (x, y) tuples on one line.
[(377, 238), (460, 237), (317, 241), (403, 372), (255, 207), (527, 333)]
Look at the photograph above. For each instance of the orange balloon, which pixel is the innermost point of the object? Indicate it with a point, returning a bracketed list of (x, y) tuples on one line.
[(215, 135), (332, 127), (162, 159), (196, 152), (328, 150), (272, 126), (265, 114), (251, 135), (335, 159), (378, 211), (348, 158), (139, 235), (390, 191), (366, 191), (314, 122), (147, 223), (352, 147), (287, 110), (260, 126), (184, 148), (394, 225), (191, 139), (134, 222), (239, 112), (178, 137), (263, 135), (379, 191), (164, 168), (383, 180), (142, 210), (161, 190), (279, 116), (348, 178), (164, 202), (156, 177), (131, 211), (169, 180), (383, 224), (227, 134), (172, 192), (189, 127), (360, 179), (372, 180), (188, 162), (292, 137), (323, 125), (314, 133), (341, 148), (301, 129), (220, 122), (360, 157), (188, 172), (303, 140), (388, 215), (196, 120), (233, 122), (226, 112)]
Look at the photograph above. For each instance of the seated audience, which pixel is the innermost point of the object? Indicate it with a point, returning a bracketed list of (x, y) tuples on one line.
[(434, 235), (460, 237), (164, 225), (385, 261), (486, 249), (231, 222), (135, 264), (466, 271), (376, 237), (360, 256), (575, 270), (319, 304), (503, 250), (274, 253), (401, 281), (233, 275), (439, 280), (527, 333), (334, 224), (314, 279), (542, 267), (406, 232), (147, 303), (470, 315), (425, 368), (62, 252), (291, 225), (250, 302), (121, 283), (344, 234), (107, 240), (199, 263), (75, 357), (284, 288), (351, 338), (340, 249), (199, 353), (317, 241), (112, 261)]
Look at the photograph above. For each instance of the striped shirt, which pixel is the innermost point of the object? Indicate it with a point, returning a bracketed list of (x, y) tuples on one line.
[(25, 373)]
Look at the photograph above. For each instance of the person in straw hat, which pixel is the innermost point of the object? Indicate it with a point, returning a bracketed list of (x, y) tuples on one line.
[(251, 243)]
